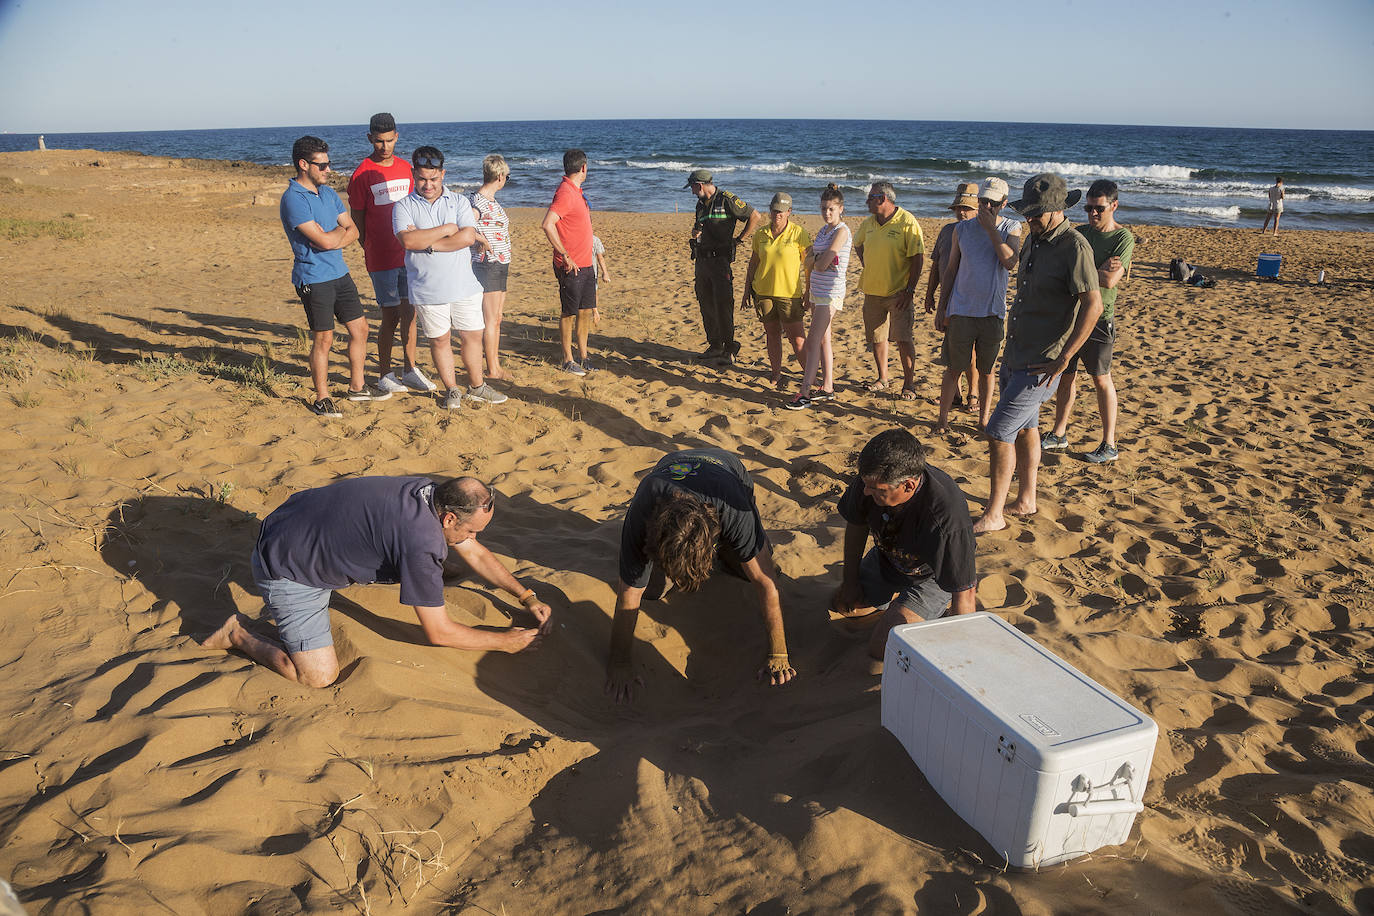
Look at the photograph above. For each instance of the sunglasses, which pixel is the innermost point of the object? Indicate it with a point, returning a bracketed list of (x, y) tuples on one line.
[(876, 196), (1094, 208), (429, 162), (322, 166)]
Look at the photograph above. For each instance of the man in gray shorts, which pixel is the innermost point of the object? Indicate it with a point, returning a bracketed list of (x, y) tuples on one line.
[(367, 530), (1057, 304), (973, 303), (922, 561)]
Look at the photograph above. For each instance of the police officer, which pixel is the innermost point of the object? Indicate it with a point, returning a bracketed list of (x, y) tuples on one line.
[(713, 246)]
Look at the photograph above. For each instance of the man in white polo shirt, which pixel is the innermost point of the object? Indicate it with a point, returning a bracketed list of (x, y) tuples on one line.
[(436, 228)]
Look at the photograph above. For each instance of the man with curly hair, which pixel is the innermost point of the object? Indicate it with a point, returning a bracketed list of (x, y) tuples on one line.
[(693, 513)]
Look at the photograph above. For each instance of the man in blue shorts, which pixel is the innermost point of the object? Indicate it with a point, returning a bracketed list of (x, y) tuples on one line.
[(319, 228), (1056, 307), (371, 530)]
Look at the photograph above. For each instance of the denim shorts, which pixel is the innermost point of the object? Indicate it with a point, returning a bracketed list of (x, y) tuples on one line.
[(1018, 404), (389, 286), (493, 275), (922, 596), (300, 611)]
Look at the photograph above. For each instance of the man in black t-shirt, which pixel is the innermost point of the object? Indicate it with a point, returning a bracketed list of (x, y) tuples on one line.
[(713, 246), (693, 512), (922, 560), (365, 530)]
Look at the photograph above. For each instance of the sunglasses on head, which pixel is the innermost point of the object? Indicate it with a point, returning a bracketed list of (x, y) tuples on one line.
[(429, 162)]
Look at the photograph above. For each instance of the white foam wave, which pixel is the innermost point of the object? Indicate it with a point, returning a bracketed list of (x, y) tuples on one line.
[(1214, 212), (772, 167), (1086, 170), (668, 165), (1336, 192)]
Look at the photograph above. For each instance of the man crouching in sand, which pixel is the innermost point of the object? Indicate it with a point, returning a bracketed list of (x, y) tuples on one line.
[(694, 507), (922, 561), (366, 530)]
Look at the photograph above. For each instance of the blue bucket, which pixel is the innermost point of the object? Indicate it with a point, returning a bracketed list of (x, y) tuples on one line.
[(1268, 265)]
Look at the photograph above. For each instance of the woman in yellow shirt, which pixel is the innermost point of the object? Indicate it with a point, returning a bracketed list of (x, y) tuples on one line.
[(775, 283)]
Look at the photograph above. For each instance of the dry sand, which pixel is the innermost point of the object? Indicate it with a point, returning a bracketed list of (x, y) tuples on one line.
[(1217, 577)]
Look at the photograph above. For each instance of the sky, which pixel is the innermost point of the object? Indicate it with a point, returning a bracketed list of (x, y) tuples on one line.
[(101, 65)]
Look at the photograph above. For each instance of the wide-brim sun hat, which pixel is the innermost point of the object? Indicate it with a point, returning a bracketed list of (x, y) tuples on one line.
[(965, 195), (1045, 193)]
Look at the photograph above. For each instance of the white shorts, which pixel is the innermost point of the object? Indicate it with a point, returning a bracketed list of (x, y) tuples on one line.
[(438, 320)]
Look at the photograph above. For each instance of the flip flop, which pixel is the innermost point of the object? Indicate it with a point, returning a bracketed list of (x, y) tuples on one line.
[(876, 386)]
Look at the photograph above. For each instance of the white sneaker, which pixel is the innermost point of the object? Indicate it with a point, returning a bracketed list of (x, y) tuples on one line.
[(487, 394), (391, 384), (453, 400), (414, 378)]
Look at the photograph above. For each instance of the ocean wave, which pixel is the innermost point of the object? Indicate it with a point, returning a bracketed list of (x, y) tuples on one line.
[(1084, 170), (667, 165), (1214, 212)]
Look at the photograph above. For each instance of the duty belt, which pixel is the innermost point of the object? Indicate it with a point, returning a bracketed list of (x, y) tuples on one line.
[(703, 253)]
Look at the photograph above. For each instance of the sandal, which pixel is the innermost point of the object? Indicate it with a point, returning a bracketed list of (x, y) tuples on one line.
[(908, 394), (876, 386)]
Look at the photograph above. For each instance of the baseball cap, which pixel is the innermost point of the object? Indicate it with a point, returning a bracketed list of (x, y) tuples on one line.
[(781, 202), (993, 189), (700, 176)]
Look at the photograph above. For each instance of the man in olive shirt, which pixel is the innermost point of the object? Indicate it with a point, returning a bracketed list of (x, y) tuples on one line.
[(892, 250), (713, 247), (1057, 304), (1112, 246)]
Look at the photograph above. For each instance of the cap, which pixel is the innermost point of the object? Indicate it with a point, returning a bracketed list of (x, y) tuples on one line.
[(993, 189), (1045, 193), (781, 202), (700, 176), (965, 195)]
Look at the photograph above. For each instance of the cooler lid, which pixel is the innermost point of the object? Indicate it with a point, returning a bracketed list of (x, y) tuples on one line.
[(1056, 712)]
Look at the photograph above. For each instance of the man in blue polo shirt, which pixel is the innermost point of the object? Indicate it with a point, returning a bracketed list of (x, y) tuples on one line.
[(319, 227), (371, 530)]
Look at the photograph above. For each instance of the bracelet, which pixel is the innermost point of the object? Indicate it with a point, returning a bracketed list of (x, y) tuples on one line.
[(527, 596)]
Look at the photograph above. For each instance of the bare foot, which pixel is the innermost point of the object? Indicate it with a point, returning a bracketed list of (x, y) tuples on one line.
[(1020, 508), (988, 523), (498, 375), (940, 429), (223, 638)]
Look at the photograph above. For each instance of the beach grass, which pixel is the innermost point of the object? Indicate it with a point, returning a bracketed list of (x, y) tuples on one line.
[(16, 229)]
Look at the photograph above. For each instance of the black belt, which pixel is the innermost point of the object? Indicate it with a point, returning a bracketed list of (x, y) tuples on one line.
[(713, 254)]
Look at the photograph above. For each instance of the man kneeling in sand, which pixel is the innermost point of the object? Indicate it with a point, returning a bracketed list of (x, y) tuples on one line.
[(694, 508), (922, 561), (366, 530)]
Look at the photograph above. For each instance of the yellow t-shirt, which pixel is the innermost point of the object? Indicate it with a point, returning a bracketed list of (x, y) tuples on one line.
[(888, 250), (778, 274)]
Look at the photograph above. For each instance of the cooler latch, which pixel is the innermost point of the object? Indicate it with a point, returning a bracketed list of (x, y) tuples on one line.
[(903, 661), (1006, 749)]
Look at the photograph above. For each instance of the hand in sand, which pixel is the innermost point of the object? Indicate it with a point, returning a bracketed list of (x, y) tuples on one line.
[(542, 613), (777, 670), (518, 639), (848, 600), (621, 682)]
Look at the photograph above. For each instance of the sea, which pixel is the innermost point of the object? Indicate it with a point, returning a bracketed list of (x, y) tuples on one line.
[(1176, 176)]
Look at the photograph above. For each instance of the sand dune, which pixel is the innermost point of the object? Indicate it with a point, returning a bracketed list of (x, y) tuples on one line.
[(1217, 577)]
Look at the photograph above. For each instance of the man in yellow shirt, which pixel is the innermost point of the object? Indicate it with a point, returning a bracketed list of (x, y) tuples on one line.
[(890, 247), (776, 283)]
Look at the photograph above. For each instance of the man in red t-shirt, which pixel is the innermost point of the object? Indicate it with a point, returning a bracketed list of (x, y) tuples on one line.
[(568, 224), (377, 183)]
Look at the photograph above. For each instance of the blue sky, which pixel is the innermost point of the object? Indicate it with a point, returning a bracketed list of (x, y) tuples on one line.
[(96, 65)]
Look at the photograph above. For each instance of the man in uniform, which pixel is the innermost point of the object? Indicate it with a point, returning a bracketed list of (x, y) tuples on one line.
[(377, 183), (922, 561), (1057, 304), (371, 530), (693, 513), (713, 247), (890, 246), (1112, 245)]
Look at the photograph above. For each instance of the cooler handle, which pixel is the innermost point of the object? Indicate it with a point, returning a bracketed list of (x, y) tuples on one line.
[(1107, 806)]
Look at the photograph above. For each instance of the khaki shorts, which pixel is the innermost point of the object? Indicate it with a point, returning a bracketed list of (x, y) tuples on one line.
[(882, 321), (775, 310)]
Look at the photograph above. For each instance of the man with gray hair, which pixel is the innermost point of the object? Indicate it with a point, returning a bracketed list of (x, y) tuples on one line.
[(891, 248), (973, 303), (1056, 307), (371, 530), (922, 561)]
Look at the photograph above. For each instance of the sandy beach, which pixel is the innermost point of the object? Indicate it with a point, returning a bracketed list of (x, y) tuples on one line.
[(1217, 577)]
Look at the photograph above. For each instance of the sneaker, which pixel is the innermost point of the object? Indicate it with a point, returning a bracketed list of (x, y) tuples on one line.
[(391, 384), (586, 365), (574, 368), (368, 393), (414, 378), (1102, 454), (324, 407), (728, 354), (453, 399), (822, 395), (486, 394), (798, 403), (1052, 443)]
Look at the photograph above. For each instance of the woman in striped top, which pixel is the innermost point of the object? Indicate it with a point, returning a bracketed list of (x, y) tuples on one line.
[(828, 261), (491, 256)]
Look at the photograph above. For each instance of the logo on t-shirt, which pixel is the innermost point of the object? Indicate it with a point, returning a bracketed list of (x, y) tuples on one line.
[(388, 192)]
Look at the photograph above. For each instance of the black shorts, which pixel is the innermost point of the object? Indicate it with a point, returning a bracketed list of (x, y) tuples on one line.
[(1096, 352), (493, 275), (329, 300), (576, 291)]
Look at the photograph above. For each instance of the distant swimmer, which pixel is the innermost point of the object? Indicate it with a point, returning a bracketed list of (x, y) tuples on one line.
[(41, 144), (371, 530), (693, 514), (922, 562)]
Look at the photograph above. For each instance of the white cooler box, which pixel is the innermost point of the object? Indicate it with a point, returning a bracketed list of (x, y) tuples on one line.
[(1041, 760)]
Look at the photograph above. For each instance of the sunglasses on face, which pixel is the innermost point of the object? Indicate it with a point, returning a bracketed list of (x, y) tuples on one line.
[(322, 166), (1094, 208), (429, 162), (876, 196)]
